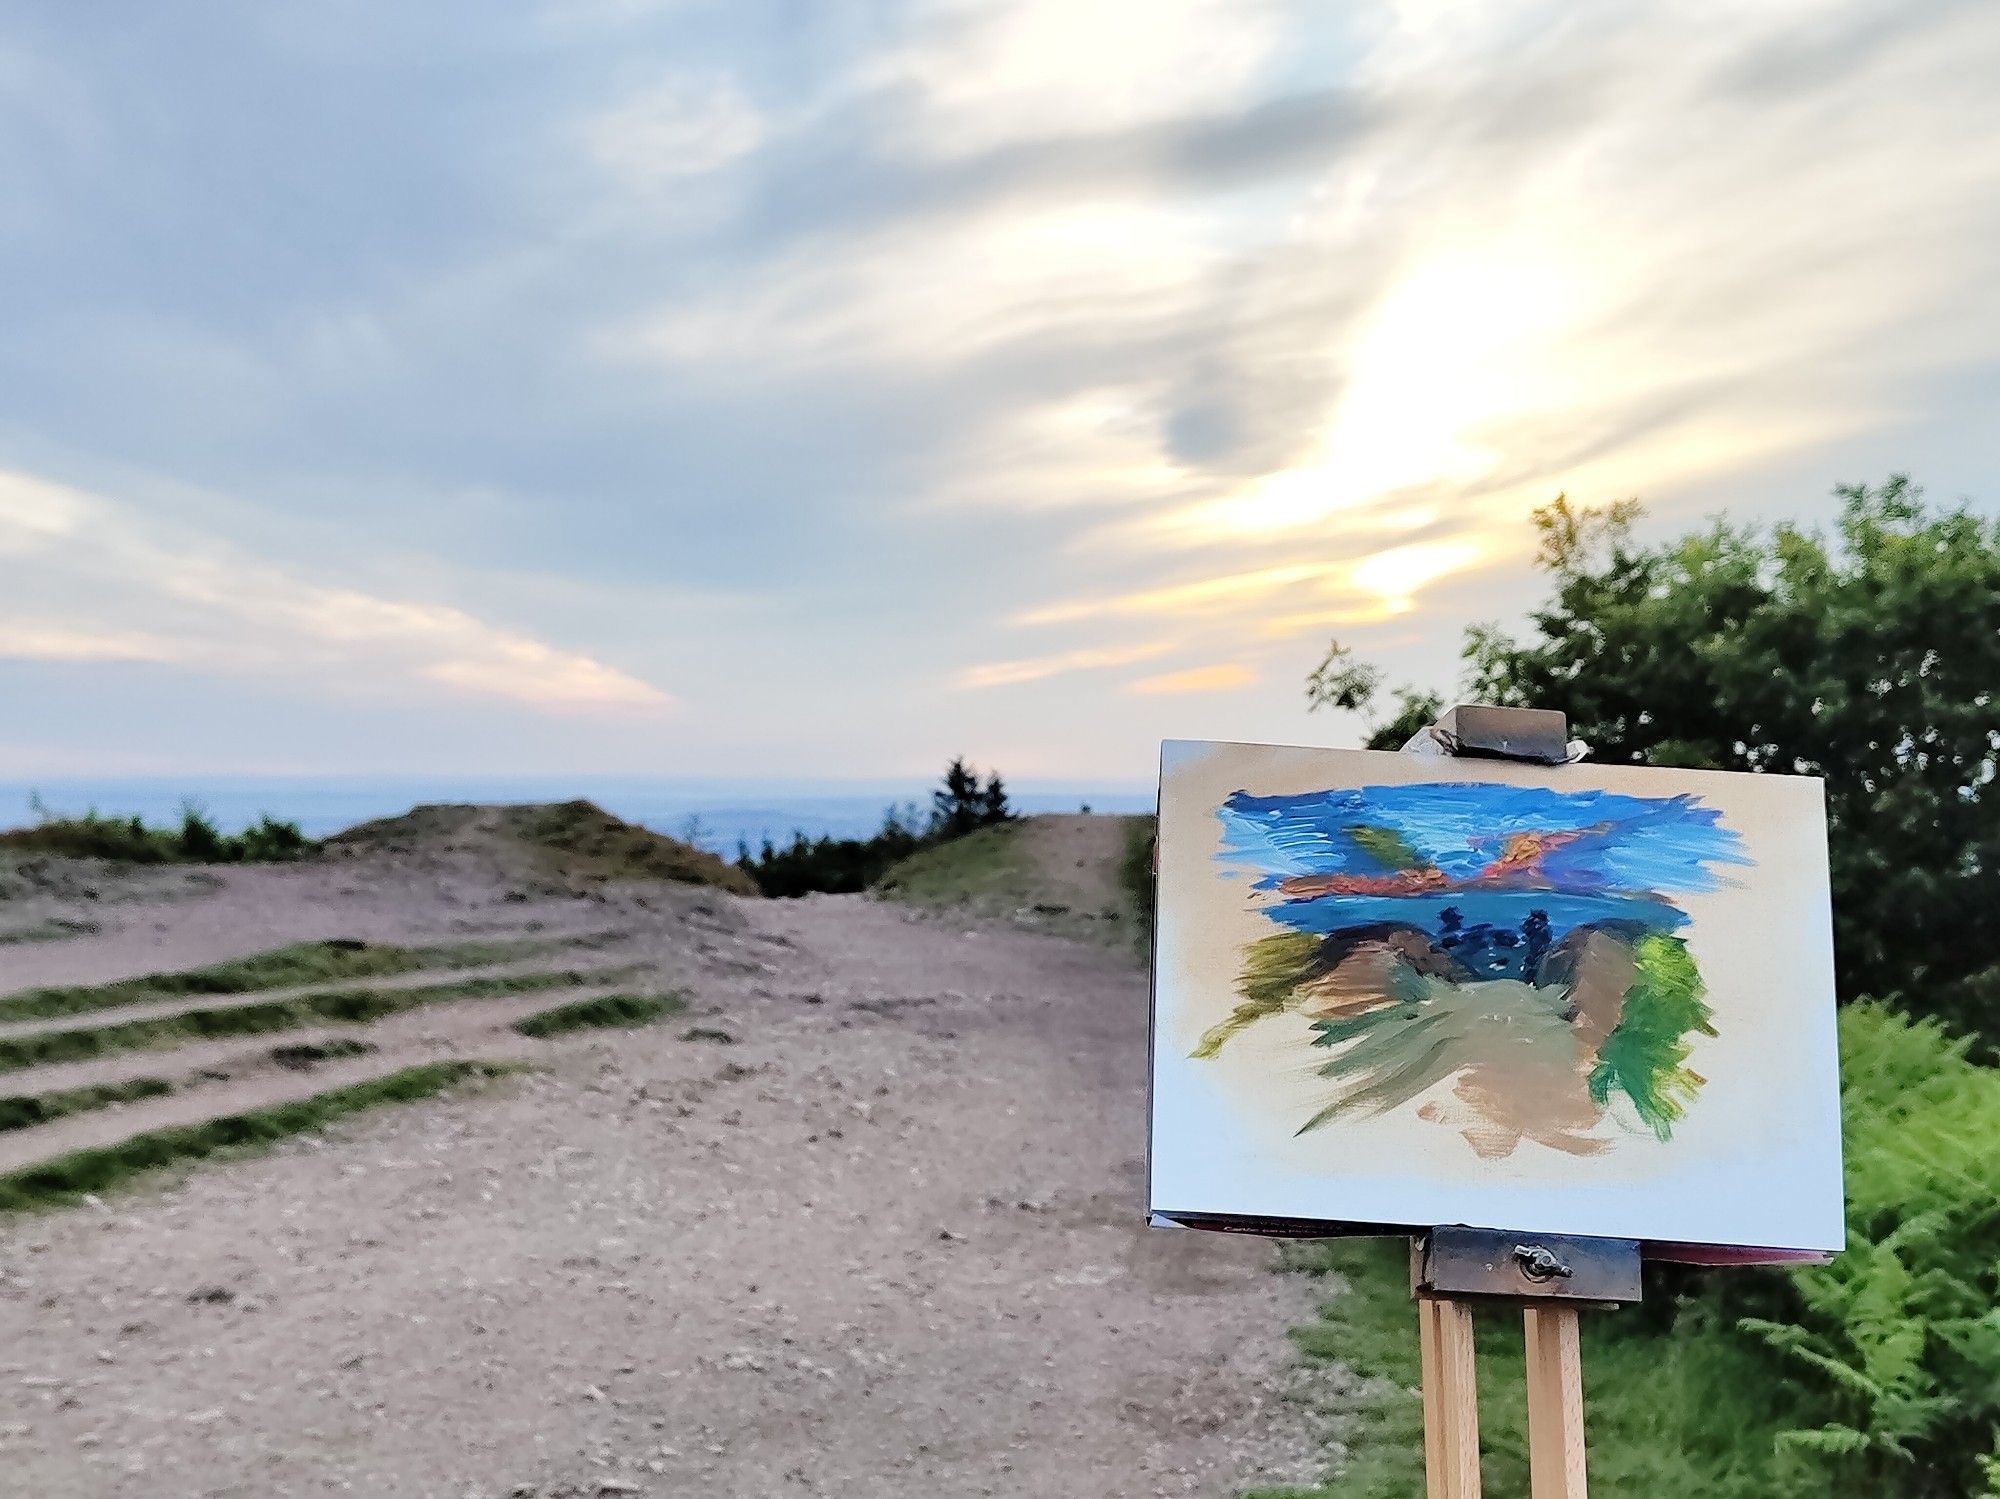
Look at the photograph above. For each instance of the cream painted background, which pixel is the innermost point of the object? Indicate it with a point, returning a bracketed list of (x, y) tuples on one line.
[(1756, 1161)]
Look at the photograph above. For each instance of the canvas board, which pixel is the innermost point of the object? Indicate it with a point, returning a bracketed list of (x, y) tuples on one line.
[(1403, 992)]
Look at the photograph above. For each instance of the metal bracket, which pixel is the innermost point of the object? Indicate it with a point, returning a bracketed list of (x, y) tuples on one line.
[(1544, 1267), (1480, 731)]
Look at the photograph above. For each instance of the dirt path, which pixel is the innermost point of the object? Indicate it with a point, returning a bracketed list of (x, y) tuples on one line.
[(888, 1243)]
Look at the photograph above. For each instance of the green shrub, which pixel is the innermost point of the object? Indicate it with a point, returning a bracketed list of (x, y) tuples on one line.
[(129, 840)]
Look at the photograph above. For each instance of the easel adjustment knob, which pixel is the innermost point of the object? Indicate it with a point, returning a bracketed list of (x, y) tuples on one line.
[(1539, 1262)]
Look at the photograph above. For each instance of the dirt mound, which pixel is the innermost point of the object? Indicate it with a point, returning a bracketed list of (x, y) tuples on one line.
[(1076, 873), (567, 843)]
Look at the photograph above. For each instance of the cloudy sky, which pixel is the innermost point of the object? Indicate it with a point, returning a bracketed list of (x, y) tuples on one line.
[(804, 387)]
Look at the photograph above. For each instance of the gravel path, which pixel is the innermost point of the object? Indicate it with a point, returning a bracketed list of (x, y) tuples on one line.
[(887, 1243)]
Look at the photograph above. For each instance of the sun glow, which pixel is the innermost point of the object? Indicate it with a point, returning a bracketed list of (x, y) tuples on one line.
[(1462, 341), (1399, 574)]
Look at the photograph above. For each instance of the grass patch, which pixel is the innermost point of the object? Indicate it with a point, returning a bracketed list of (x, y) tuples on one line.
[(333, 1006), (66, 1179), (335, 961), (25, 1111), (984, 868), (607, 1011)]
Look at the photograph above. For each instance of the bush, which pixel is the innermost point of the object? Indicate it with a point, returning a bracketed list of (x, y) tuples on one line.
[(847, 866), (835, 866), (129, 840)]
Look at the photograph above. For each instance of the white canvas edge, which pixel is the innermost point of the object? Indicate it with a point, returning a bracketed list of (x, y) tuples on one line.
[(1386, 1203)]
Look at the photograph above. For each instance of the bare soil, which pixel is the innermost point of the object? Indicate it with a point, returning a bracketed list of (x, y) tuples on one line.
[(887, 1240)]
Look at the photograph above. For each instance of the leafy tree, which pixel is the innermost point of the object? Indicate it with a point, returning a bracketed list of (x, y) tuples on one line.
[(1341, 681), (1869, 657)]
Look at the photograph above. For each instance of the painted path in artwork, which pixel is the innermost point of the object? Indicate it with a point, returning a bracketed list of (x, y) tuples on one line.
[(877, 1232)]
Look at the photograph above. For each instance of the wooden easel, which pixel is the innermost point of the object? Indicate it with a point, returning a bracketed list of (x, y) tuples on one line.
[(1546, 1277)]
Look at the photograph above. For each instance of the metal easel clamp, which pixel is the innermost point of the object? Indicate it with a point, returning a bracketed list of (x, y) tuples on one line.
[(1481, 731), (1452, 1261)]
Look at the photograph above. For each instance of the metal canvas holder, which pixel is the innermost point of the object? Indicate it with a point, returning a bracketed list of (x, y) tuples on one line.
[(1549, 1276)]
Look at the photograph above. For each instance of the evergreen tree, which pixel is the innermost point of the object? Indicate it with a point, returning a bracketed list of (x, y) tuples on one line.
[(958, 806), (993, 802)]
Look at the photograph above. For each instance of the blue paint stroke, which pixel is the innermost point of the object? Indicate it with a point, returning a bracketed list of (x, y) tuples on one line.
[(1627, 843)]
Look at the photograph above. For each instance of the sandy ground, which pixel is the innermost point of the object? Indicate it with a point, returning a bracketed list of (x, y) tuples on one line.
[(888, 1242)]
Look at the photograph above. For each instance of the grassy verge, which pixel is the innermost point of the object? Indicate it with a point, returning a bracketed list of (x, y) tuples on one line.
[(1877, 1374), (331, 1007), (25, 1111), (1695, 1411), (301, 963), (66, 1179), (606, 1011)]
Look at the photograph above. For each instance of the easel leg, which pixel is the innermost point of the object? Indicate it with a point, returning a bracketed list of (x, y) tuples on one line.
[(1451, 1399), (1555, 1403)]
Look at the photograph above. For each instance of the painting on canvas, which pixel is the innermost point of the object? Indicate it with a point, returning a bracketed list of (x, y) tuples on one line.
[(1566, 1000)]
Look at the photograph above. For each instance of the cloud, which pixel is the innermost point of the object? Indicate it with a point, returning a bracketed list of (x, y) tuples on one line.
[(951, 344), (1221, 678), (675, 128), (1037, 669), (29, 641), (205, 605)]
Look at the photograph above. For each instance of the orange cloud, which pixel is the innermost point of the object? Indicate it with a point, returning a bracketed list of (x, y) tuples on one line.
[(1035, 669), (1197, 679)]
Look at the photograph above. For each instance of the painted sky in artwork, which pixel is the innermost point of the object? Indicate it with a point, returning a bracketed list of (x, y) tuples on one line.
[(759, 388)]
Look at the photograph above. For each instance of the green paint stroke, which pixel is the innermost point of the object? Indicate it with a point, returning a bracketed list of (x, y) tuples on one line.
[(1645, 1057), (1434, 1029), (1273, 969), (1386, 846)]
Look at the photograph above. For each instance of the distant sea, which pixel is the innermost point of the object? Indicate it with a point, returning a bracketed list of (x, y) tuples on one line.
[(719, 813)]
